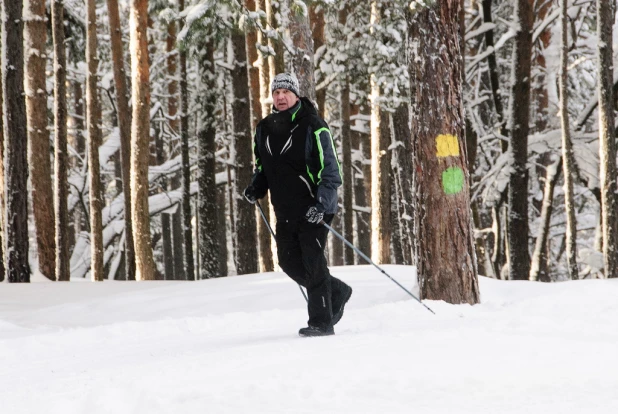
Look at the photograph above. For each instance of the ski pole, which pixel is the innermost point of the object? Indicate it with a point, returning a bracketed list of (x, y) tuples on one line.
[(364, 256), (273, 234)]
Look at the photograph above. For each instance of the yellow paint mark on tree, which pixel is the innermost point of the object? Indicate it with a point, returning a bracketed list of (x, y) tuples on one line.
[(447, 146)]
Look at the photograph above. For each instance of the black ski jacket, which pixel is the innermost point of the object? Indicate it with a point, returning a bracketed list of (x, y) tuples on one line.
[(295, 159)]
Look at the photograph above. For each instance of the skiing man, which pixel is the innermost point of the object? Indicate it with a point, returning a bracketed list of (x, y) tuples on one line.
[(295, 159)]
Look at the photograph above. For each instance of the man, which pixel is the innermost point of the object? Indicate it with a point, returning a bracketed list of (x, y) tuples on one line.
[(295, 159)]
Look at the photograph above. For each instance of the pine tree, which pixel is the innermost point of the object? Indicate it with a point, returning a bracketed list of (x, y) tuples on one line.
[(61, 156), (15, 149), (607, 138), (444, 244), (140, 141), (124, 124), (35, 36), (94, 141), (519, 108)]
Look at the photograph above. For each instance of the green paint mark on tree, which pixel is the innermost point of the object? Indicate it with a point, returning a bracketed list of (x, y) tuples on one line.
[(453, 180)]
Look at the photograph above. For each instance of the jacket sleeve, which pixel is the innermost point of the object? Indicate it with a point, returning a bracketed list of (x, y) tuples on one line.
[(258, 181), (329, 176)]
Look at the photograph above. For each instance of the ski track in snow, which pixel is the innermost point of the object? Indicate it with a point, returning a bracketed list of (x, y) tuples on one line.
[(230, 345)]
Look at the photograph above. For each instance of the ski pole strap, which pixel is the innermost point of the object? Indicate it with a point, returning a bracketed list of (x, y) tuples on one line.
[(364, 256), (273, 234)]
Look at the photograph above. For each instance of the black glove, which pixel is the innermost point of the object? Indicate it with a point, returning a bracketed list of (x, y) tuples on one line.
[(314, 215), (250, 194)]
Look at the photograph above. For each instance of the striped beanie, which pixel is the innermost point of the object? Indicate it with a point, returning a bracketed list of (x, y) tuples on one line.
[(285, 81)]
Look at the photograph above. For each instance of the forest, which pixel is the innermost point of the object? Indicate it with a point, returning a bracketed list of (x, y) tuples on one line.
[(475, 137)]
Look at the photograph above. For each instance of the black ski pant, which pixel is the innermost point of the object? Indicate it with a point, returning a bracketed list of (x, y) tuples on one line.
[(300, 249)]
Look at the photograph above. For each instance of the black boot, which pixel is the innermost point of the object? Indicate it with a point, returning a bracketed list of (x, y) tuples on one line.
[(339, 303), (316, 331)]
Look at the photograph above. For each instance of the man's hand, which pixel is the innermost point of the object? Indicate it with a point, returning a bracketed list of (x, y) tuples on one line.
[(250, 194), (314, 215)]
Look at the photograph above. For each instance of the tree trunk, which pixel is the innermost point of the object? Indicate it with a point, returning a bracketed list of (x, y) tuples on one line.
[(124, 123), (221, 196), (61, 156), (187, 228), (77, 141), (176, 180), (302, 61), (380, 165), (94, 141), (316, 20), (254, 70), (539, 269), (2, 188), (567, 150), (444, 243), (35, 36), (362, 188), (348, 172), (264, 237), (494, 75), (166, 228), (246, 256), (15, 145), (140, 141), (402, 169), (208, 246), (607, 138), (276, 63), (517, 232)]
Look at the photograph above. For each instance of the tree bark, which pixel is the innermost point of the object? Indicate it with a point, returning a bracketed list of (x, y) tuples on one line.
[(348, 172), (362, 186), (316, 19), (246, 253), (444, 244), (61, 156), (519, 108), (176, 180), (208, 246), (2, 187), (254, 70), (186, 165), (264, 237), (94, 141), (539, 268), (567, 150), (124, 123), (380, 166), (402, 171), (276, 63), (35, 36), (15, 144), (607, 138), (302, 61), (140, 141)]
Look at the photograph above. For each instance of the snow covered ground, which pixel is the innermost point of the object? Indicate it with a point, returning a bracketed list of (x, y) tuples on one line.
[(230, 346)]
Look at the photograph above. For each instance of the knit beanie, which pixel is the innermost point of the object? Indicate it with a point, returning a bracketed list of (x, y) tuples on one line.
[(286, 81)]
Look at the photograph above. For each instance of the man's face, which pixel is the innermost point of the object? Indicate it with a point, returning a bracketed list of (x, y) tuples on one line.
[(284, 99)]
